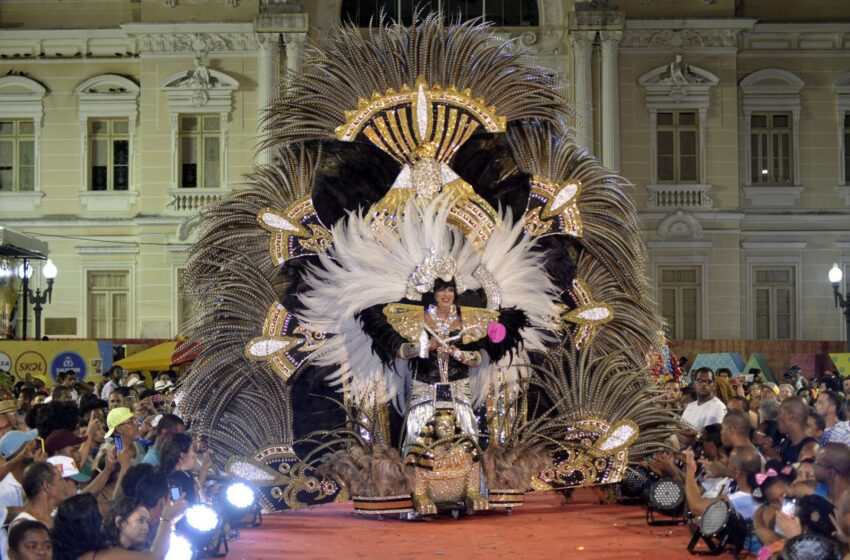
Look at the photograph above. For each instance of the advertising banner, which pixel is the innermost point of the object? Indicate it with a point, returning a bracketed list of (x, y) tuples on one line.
[(44, 360)]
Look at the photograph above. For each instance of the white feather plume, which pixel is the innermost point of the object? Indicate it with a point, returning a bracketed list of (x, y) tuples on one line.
[(370, 264)]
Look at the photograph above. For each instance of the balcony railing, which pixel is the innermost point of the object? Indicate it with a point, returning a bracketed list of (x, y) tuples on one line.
[(686, 197), (188, 201)]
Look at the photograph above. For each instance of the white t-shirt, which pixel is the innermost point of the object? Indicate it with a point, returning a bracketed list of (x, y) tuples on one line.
[(11, 492), (744, 504), (11, 495), (701, 415), (714, 487)]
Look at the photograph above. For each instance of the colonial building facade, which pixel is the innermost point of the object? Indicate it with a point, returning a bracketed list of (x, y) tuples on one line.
[(119, 119)]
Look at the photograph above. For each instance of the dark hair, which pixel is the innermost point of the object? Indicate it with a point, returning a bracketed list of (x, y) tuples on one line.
[(725, 370), (54, 416), (169, 452), (132, 477), (151, 489), (28, 393), (760, 491), (703, 370), (78, 528), (820, 422), (836, 400), (123, 391), (122, 508), (18, 531), (35, 476), (60, 390), (168, 423), (814, 512), (712, 433)]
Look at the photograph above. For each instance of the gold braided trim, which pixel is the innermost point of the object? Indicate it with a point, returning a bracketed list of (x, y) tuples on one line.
[(398, 122)]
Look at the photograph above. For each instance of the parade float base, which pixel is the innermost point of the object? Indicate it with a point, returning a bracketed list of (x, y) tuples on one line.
[(542, 528)]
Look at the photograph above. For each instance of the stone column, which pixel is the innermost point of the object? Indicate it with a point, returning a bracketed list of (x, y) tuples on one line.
[(610, 99), (294, 50), (582, 43), (267, 87)]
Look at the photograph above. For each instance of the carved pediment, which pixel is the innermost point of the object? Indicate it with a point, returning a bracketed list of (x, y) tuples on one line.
[(678, 83)]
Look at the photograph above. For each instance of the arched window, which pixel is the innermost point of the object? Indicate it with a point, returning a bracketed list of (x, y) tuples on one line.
[(503, 13)]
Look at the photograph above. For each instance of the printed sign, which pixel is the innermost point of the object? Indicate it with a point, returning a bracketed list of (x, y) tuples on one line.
[(31, 363), (68, 361), (44, 359)]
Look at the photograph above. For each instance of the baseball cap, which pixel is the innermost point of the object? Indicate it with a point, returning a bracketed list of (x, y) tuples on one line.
[(116, 417), (67, 468), (12, 442), (60, 439), (8, 406)]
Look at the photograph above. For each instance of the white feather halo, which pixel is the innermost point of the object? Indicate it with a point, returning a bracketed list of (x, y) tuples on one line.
[(370, 264)]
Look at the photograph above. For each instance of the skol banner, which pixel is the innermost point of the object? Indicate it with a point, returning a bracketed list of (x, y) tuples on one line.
[(44, 360)]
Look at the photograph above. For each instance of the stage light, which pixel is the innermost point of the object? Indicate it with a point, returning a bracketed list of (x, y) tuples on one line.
[(202, 518), (240, 496), (201, 526), (810, 546), (238, 501), (720, 526), (666, 496), (634, 484), (179, 548)]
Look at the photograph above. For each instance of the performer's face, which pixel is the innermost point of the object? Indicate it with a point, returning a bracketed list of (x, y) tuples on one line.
[(445, 297)]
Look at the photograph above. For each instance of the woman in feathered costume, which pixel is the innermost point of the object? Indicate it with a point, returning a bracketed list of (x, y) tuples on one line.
[(410, 158)]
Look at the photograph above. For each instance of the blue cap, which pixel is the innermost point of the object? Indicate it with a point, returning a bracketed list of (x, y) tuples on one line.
[(12, 442)]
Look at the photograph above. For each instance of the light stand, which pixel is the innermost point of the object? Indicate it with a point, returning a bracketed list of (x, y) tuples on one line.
[(841, 301)]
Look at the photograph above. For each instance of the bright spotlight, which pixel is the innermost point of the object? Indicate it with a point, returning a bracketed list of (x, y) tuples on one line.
[(202, 518), (240, 495), (240, 505), (179, 548), (201, 526)]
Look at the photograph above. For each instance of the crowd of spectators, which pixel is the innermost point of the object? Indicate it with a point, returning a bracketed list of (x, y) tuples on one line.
[(778, 454), (95, 470)]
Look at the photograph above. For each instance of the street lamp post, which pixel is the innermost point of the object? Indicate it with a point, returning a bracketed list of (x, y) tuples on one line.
[(25, 272), (38, 298), (841, 301)]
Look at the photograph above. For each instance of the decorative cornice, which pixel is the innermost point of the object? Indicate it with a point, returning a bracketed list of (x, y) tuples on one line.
[(679, 38), (192, 38)]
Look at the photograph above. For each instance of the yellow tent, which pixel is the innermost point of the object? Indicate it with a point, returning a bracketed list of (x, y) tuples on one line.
[(155, 358), (842, 363)]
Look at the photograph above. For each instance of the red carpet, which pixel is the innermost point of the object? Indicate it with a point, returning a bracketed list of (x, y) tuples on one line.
[(542, 528)]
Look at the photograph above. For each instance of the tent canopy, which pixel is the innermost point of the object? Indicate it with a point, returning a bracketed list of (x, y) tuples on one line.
[(160, 357)]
